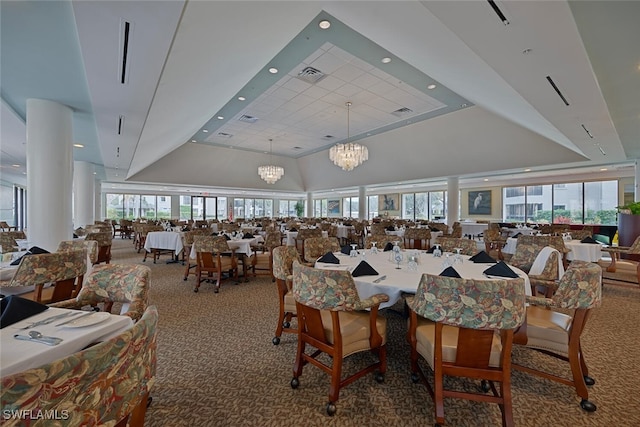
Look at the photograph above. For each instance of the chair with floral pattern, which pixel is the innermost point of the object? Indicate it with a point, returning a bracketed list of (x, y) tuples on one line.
[(105, 384), (303, 234), (382, 240), (92, 256), (61, 269), (187, 242), (554, 325), (214, 256), (417, 238), (283, 259), (315, 247), (104, 246), (262, 256), (494, 242), (524, 257), (8, 240), (466, 246), (627, 264), (334, 320), (113, 283), (465, 328)]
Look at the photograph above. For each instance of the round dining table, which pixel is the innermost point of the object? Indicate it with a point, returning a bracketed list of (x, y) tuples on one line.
[(397, 281)]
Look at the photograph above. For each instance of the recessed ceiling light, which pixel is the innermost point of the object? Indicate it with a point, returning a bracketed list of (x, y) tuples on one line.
[(241, 98), (16, 166), (386, 60), (324, 24), (463, 105), (430, 87), (205, 130), (603, 169), (193, 140), (486, 179), (220, 117), (96, 173), (526, 51), (78, 145), (273, 70), (24, 173), (527, 170)]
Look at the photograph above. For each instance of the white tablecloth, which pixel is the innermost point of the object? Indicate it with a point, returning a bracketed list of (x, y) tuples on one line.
[(403, 280), (169, 240), (473, 228), (291, 237), (344, 230), (17, 355), (590, 252)]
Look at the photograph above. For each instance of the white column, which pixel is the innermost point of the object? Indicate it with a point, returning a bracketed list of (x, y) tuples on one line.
[(175, 208), (453, 200), (49, 173), (98, 200), (309, 205), (362, 203), (84, 203)]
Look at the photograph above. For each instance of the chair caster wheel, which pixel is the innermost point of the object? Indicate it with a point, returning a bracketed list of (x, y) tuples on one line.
[(588, 380), (415, 378), (331, 409), (587, 406), (195, 290), (149, 400), (216, 290), (294, 383), (286, 325), (379, 377), (484, 386), (275, 340)]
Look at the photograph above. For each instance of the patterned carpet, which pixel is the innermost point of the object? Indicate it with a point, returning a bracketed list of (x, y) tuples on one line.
[(218, 367)]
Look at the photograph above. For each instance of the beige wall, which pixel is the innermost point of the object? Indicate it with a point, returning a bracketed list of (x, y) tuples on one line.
[(496, 204)]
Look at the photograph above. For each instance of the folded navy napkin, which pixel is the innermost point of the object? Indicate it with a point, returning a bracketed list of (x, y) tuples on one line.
[(293, 229), (430, 250), (346, 249), (500, 269), (517, 235), (227, 237), (388, 247), (14, 309), (248, 236), (391, 228), (450, 272), (329, 258), (589, 239), (215, 233), (364, 269), (33, 250), (434, 229), (482, 257)]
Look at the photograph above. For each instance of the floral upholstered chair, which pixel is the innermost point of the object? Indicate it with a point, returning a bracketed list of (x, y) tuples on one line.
[(524, 259), (464, 328), (417, 238), (187, 243), (283, 259), (382, 240), (64, 270), (303, 234), (334, 320), (107, 384), (315, 247), (262, 256), (494, 242), (104, 246), (214, 255), (554, 326), (8, 240), (449, 244), (626, 264), (113, 283)]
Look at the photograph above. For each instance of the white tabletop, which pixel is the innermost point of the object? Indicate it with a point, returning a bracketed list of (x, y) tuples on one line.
[(17, 355), (473, 228), (404, 280), (590, 252), (169, 240)]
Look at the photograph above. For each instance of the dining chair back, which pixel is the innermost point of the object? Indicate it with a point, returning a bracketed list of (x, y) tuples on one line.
[(262, 256), (8, 240), (315, 247), (104, 246), (336, 322), (464, 328), (450, 244), (105, 384), (554, 326), (382, 240), (62, 269), (417, 238)]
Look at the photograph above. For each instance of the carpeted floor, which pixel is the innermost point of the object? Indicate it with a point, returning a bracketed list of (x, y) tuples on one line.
[(218, 367)]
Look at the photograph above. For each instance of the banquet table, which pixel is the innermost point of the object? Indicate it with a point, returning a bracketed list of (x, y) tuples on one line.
[(18, 355), (344, 230), (590, 252), (403, 280), (157, 241), (473, 228)]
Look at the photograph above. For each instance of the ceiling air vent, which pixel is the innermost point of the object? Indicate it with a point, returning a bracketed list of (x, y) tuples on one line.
[(224, 135), (401, 112), (328, 137), (126, 28), (248, 119), (311, 75)]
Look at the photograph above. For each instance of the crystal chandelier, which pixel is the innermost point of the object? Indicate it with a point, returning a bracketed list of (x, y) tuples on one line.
[(349, 155), (270, 173)]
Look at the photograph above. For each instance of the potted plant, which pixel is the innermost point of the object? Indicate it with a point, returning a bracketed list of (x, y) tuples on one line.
[(299, 207), (629, 225)]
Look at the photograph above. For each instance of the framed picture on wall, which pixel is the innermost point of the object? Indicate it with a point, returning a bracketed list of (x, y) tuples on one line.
[(388, 202), (480, 202), (333, 207)]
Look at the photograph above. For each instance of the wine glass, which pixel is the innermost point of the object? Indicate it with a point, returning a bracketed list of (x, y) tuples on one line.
[(437, 252), (457, 259), (354, 252), (374, 249)]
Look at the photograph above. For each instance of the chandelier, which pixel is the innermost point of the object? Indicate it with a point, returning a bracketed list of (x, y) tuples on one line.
[(270, 173), (349, 155)]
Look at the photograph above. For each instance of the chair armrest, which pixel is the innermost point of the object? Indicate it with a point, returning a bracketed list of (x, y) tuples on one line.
[(69, 303), (374, 300), (616, 249), (540, 301)]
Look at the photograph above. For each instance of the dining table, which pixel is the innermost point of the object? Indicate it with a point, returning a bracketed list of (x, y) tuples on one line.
[(590, 252), (158, 241), (473, 229), (82, 329), (403, 280)]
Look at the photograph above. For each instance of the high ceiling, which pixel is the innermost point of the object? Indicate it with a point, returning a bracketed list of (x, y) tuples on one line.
[(555, 90)]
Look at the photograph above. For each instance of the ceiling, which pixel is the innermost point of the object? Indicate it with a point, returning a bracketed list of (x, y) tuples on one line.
[(170, 118)]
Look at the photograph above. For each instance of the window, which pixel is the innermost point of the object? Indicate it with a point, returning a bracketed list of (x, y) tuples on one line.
[(437, 205), (373, 206), (570, 195), (600, 201), (148, 207), (320, 208), (350, 207), (222, 208)]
